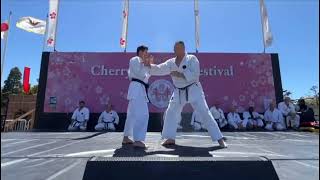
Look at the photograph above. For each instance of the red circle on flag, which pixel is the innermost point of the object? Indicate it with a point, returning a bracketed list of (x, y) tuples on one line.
[(4, 27), (122, 41)]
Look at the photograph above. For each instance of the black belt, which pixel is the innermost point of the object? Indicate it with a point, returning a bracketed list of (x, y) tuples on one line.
[(110, 122), (75, 122), (197, 122), (146, 86), (107, 123), (186, 89)]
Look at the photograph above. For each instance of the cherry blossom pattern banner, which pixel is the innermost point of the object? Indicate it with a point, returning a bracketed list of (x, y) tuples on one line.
[(239, 79)]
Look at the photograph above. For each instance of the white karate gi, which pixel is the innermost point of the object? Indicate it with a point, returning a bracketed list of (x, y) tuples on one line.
[(107, 120), (190, 67), (256, 122), (218, 115), (293, 121), (137, 112), (179, 127), (235, 121), (179, 124), (196, 121), (79, 119), (274, 120)]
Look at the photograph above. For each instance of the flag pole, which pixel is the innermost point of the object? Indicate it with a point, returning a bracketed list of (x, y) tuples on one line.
[(45, 34), (261, 17), (5, 45), (125, 48), (55, 33), (195, 24)]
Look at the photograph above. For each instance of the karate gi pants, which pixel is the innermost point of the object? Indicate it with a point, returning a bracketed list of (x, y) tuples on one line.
[(137, 119), (197, 100)]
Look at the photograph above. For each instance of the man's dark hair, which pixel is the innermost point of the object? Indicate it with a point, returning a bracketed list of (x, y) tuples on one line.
[(180, 42), (141, 48), (301, 101), (82, 102)]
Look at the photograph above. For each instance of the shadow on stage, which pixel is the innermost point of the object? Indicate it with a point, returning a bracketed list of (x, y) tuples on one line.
[(175, 150)]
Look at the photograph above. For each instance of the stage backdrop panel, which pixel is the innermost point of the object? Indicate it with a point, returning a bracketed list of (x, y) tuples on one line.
[(240, 79)]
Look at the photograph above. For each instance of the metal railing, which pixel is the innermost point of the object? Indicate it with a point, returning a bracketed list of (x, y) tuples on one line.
[(20, 123)]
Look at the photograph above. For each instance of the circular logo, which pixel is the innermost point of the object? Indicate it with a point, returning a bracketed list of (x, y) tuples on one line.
[(160, 92)]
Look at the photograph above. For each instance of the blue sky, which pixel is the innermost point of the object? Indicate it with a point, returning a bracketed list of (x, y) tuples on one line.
[(225, 26)]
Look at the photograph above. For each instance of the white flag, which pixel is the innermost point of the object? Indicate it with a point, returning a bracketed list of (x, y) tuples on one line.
[(125, 13), (31, 24), (267, 35), (197, 25), (4, 29), (52, 22)]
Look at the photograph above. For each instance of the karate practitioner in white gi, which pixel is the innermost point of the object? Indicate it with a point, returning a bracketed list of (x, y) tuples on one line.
[(80, 118), (218, 115), (185, 71), (107, 119), (196, 121), (289, 112), (179, 121), (137, 113), (234, 120), (273, 118), (179, 124), (254, 119)]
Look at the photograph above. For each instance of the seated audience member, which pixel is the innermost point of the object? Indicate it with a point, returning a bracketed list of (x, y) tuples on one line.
[(107, 119), (196, 121), (254, 119), (218, 115), (79, 118), (288, 111), (234, 120), (305, 112), (273, 118)]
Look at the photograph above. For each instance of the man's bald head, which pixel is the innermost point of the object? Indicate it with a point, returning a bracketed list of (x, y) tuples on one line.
[(272, 105), (287, 100)]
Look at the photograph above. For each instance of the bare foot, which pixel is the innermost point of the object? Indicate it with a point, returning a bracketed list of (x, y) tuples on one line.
[(127, 140), (222, 143), (140, 144), (169, 142)]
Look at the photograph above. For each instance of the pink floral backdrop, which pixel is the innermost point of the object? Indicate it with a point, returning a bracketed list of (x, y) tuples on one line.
[(99, 78)]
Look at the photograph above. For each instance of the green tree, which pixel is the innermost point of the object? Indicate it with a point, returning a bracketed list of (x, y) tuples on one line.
[(13, 84), (34, 89), (286, 93), (315, 94)]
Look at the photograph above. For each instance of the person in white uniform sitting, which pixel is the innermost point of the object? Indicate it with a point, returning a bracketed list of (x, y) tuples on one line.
[(255, 120), (196, 121), (273, 118), (288, 110), (234, 120), (218, 115), (107, 119), (80, 118)]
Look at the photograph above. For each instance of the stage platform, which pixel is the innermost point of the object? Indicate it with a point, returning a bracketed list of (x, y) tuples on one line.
[(63, 155)]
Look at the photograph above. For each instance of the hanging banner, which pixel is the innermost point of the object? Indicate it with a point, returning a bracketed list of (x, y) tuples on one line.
[(239, 79)]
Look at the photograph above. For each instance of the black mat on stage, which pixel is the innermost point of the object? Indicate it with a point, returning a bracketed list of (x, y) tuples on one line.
[(180, 168)]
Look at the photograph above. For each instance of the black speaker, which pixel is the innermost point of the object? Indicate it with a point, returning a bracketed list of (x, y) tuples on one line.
[(157, 168)]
